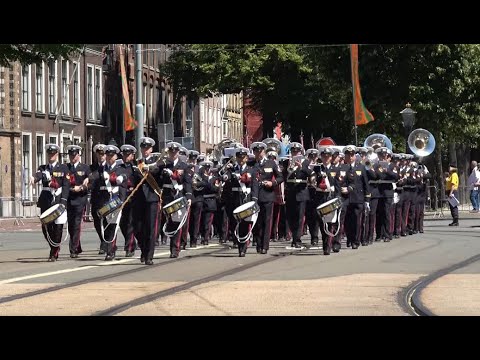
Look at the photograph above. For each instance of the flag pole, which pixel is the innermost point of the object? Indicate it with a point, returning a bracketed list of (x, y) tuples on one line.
[(353, 96)]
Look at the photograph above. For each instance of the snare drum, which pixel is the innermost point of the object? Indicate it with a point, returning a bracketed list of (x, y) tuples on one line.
[(111, 206), (52, 214), (329, 207), (175, 206), (246, 211)]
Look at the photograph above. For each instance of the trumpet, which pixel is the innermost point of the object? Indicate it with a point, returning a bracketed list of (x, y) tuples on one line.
[(222, 170)]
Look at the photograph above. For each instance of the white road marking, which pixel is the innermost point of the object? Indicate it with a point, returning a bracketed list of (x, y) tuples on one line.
[(104, 263)]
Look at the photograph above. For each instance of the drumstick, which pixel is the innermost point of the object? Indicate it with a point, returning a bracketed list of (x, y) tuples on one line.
[(134, 190)]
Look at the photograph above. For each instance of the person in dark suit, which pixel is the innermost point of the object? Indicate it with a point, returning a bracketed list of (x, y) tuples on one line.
[(212, 187), (240, 187), (109, 181), (55, 190), (269, 177), (296, 176), (351, 182), (146, 203), (99, 163), (126, 222), (77, 176)]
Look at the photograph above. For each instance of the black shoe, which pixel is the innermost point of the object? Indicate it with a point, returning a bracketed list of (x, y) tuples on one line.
[(336, 247), (205, 243), (184, 247), (157, 243), (193, 245), (410, 232), (259, 250), (164, 242), (421, 231), (254, 243), (387, 240), (142, 259), (242, 254), (348, 244), (173, 256), (453, 224), (129, 253), (396, 236), (314, 243), (74, 256), (110, 257), (149, 262), (415, 231), (298, 245), (52, 259), (101, 252), (364, 243), (403, 234), (354, 246), (264, 251)]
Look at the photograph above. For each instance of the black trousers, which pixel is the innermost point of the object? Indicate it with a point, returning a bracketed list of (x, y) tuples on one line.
[(97, 223), (145, 215), (398, 216), (109, 241), (264, 225), (295, 217), (385, 207), (195, 221), (419, 215), (243, 229), (353, 226), (372, 219), (232, 222), (221, 221), (126, 226), (207, 222), (313, 220), (453, 209), (74, 219)]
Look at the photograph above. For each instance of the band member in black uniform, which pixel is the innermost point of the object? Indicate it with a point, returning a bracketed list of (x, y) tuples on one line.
[(212, 187), (296, 175), (352, 183), (77, 199), (126, 222), (371, 222), (99, 163), (221, 217), (55, 190), (176, 183), (313, 221), (146, 200), (398, 194), (109, 181), (199, 183), (423, 177), (268, 175), (387, 174), (240, 187), (325, 191)]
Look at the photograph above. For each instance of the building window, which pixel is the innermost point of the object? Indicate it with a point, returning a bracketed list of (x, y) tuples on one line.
[(189, 118), (90, 92), (39, 88), (26, 166), (40, 159), (53, 139), (224, 129), (202, 120), (98, 94), (150, 105), (143, 102), (76, 91), (76, 141), (65, 89), (52, 87), (26, 88)]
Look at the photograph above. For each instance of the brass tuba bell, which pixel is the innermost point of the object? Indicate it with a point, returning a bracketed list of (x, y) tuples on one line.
[(377, 140), (274, 144), (421, 142)]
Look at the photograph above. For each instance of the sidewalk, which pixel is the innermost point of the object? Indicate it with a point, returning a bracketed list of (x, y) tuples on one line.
[(31, 224)]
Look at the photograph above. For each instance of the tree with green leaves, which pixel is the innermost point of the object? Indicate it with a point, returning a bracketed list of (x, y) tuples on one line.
[(35, 53)]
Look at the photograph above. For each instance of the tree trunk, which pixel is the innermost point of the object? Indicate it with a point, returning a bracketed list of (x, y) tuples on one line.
[(438, 181)]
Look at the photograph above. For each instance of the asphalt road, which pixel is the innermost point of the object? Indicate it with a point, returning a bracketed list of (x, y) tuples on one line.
[(215, 281)]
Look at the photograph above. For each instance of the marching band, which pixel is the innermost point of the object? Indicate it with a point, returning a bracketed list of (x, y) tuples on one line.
[(269, 192)]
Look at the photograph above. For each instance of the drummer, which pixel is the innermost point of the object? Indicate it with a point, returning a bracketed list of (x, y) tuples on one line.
[(55, 190), (98, 164), (111, 181)]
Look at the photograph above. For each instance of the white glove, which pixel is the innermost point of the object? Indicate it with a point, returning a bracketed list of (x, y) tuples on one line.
[(225, 177), (119, 179), (367, 206), (168, 172), (47, 175), (106, 175)]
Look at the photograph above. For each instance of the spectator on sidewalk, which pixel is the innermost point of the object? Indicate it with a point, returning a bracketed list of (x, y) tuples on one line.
[(451, 191), (474, 186)]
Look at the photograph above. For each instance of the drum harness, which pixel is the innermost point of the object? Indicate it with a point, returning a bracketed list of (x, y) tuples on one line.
[(55, 193), (245, 191)]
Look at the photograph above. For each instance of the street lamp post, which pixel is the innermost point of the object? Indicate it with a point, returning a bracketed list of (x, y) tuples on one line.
[(408, 117)]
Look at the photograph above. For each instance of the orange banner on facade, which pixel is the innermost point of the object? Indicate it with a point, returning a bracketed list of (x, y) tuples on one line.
[(362, 115), (128, 120)]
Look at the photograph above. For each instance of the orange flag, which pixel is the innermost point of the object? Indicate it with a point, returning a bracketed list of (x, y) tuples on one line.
[(128, 120), (362, 115)]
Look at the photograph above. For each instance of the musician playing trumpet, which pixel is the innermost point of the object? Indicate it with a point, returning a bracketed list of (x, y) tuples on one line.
[(296, 174)]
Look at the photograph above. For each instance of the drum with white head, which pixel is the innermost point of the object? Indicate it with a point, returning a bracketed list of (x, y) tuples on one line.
[(56, 213)]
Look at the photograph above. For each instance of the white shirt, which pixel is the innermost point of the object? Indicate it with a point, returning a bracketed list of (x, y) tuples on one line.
[(473, 179)]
